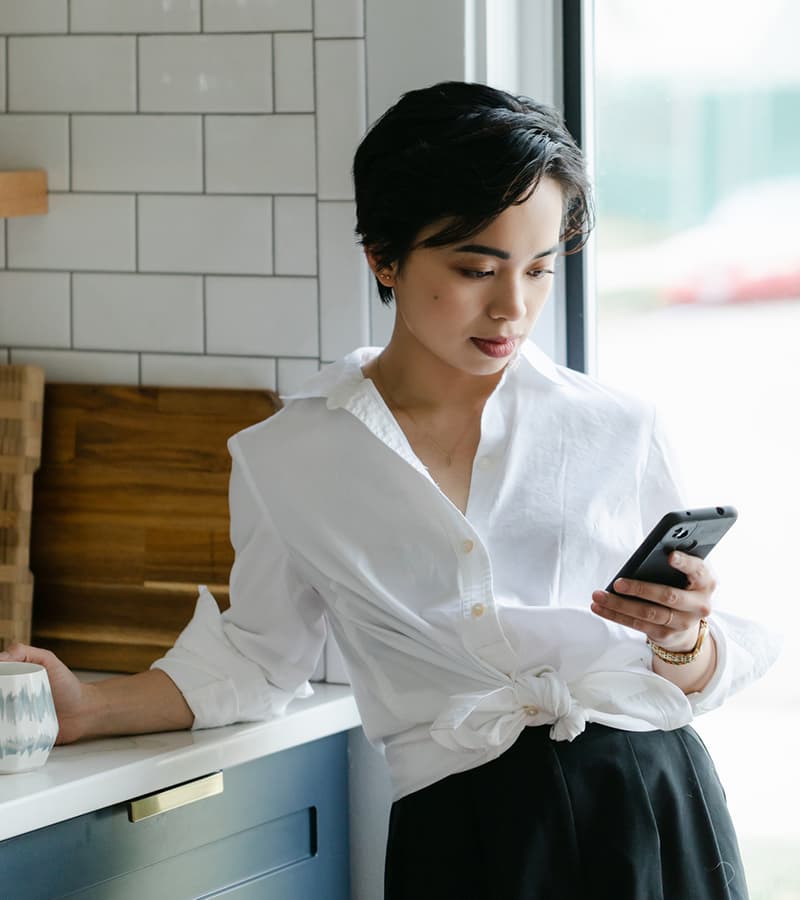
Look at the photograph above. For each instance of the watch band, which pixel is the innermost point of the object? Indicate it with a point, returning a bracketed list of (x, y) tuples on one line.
[(681, 659)]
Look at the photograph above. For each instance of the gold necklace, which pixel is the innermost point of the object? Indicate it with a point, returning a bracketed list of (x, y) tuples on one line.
[(448, 454)]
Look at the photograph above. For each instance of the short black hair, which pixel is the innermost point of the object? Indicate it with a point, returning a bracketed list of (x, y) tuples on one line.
[(460, 154)]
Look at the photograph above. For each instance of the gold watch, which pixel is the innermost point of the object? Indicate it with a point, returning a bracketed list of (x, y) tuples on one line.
[(681, 659)]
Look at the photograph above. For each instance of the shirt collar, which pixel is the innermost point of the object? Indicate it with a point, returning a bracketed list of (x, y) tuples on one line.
[(343, 383)]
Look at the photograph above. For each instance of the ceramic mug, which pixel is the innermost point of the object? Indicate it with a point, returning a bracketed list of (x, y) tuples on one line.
[(28, 722)]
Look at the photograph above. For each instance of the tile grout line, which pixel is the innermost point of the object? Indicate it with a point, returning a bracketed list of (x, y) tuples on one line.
[(204, 304), (137, 51), (273, 238), (317, 208), (174, 33), (370, 314), (71, 311), (272, 73), (165, 273), (186, 354)]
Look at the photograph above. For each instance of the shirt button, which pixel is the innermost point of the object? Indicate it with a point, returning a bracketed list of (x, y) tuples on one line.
[(468, 546), (485, 462), (478, 609)]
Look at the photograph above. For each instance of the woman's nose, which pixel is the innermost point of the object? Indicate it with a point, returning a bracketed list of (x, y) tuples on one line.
[(508, 300)]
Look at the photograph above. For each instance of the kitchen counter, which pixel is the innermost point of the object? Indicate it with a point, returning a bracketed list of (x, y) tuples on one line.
[(83, 777)]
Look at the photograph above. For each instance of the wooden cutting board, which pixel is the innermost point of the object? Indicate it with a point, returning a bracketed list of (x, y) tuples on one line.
[(21, 394), (130, 514)]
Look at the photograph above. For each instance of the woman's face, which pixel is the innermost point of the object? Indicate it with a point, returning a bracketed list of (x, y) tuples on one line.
[(471, 304)]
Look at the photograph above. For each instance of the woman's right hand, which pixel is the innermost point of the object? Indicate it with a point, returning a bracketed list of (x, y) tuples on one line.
[(69, 694), (126, 704)]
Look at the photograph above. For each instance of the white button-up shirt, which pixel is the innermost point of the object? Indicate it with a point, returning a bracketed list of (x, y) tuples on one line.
[(457, 630)]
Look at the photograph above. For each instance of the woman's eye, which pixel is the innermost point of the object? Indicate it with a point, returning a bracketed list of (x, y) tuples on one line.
[(538, 274), (476, 273)]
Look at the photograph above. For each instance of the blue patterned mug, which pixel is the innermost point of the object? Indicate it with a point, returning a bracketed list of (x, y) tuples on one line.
[(28, 722)]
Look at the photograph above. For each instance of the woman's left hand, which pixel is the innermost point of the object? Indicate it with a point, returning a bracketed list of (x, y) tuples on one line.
[(672, 616)]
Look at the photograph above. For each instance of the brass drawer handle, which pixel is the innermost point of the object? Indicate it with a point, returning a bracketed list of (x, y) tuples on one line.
[(172, 798)]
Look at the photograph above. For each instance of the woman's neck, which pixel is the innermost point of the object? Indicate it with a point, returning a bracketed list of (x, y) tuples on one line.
[(418, 380)]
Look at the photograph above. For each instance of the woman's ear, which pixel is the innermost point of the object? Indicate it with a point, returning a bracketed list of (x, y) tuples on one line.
[(384, 274)]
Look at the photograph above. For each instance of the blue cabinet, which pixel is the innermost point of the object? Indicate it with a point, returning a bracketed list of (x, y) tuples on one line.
[(278, 831)]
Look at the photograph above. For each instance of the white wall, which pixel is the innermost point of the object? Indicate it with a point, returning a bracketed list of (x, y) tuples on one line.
[(198, 158)]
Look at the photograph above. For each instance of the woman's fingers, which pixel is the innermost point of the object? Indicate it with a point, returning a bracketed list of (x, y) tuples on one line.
[(66, 688), (24, 653), (658, 622), (667, 615), (698, 574)]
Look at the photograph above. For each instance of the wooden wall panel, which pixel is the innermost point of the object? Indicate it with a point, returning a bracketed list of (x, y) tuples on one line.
[(130, 514)]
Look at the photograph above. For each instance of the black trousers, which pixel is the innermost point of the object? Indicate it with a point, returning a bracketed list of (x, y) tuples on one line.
[(613, 814)]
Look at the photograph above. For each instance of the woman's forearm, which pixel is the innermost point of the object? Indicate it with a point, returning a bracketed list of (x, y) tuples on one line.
[(132, 704)]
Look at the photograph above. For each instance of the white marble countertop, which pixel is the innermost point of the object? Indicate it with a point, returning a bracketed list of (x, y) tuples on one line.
[(79, 778)]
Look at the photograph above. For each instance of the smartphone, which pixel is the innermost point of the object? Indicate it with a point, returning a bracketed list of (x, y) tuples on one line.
[(692, 531)]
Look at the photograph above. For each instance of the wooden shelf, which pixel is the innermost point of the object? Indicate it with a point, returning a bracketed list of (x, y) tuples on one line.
[(23, 193)]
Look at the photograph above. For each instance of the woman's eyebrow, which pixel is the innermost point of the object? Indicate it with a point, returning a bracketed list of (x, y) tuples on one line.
[(501, 254)]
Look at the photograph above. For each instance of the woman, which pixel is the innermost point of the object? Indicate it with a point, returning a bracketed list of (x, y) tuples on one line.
[(449, 505)]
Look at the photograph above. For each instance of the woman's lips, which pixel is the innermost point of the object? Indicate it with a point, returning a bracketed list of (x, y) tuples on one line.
[(497, 348)]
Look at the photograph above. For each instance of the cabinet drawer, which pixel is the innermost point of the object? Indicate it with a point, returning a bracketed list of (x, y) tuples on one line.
[(278, 831)]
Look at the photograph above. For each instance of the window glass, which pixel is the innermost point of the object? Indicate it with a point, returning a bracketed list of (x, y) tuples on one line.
[(698, 308)]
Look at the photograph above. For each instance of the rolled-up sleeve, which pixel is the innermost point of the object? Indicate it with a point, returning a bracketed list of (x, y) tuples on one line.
[(247, 663), (745, 648)]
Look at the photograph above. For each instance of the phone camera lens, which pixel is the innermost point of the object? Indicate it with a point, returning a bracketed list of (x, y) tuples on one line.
[(720, 511)]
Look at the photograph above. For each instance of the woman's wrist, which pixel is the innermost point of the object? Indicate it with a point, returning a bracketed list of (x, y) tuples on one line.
[(693, 676), (682, 647)]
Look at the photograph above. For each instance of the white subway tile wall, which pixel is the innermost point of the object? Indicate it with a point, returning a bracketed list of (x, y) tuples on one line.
[(260, 154), (143, 153), (295, 235), (294, 72), (341, 113), (146, 16), (32, 16), (338, 18), (344, 317), (79, 231), (273, 315), (257, 15), (72, 74), (138, 312), (37, 142), (205, 74), (198, 156), (81, 367), (221, 234), (208, 371), (2, 74), (34, 309), (293, 373)]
